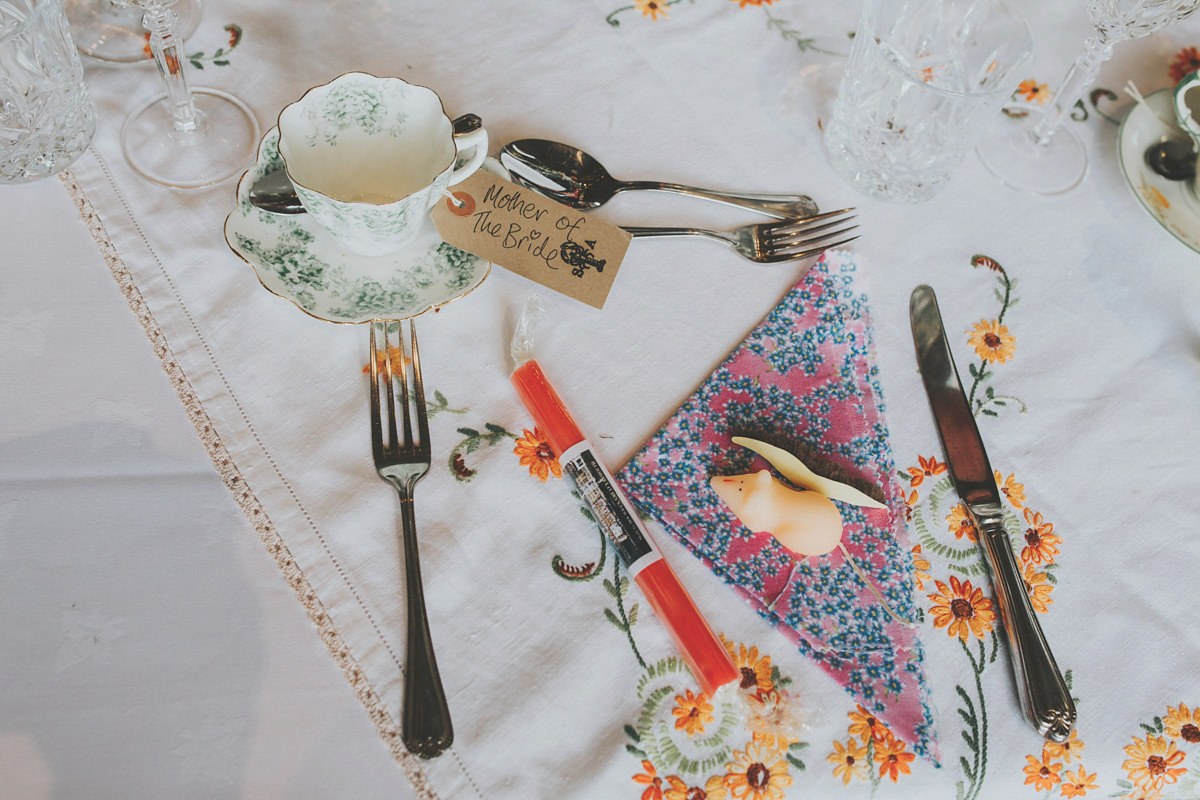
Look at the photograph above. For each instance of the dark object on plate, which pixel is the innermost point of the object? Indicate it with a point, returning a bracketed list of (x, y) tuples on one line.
[(1173, 159)]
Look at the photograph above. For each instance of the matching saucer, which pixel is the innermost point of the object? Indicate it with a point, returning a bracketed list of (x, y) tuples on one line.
[(1172, 203), (295, 258)]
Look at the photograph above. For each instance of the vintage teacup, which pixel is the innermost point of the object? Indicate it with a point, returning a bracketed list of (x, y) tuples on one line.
[(1186, 100), (371, 156)]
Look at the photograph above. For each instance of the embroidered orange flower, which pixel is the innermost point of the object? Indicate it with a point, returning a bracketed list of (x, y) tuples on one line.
[(776, 715), (757, 773), (1041, 542), (1078, 784), (1072, 748), (692, 712), (962, 609), (1186, 61), (1039, 587), (394, 355), (1015, 492), (920, 568), (744, 3), (755, 669), (649, 778), (992, 341), (1153, 762), (960, 523), (927, 469), (1033, 92), (892, 758), (535, 452), (651, 8), (864, 724), (1042, 773), (849, 760), (1182, 723)]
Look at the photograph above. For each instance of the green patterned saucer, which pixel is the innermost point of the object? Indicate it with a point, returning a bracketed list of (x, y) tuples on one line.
[(295, 258)]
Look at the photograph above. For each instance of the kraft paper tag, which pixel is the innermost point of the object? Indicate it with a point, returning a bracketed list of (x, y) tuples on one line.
[(559, 247)]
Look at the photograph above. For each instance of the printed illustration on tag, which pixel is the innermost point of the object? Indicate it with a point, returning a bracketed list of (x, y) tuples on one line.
[(559, 247)]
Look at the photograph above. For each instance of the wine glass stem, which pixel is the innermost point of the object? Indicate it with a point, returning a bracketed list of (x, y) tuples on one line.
[(1081, 75), (165, 46)]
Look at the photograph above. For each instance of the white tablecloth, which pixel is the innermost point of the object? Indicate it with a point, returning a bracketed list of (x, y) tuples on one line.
[(151, 647)]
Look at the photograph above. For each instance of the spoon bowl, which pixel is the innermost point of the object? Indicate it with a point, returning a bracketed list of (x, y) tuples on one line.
[(1173, 159), (576, 179)]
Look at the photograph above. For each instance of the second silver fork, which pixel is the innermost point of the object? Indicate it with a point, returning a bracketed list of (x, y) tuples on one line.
[(402, 461), (773, 242)]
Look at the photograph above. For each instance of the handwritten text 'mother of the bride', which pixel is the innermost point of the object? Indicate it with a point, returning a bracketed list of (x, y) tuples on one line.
[(534, 234)]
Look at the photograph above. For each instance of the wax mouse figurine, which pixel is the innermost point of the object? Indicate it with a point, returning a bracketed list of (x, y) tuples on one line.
[(805, 522)]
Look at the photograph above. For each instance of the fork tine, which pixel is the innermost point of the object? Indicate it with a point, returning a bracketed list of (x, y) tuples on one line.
[(393, 441), (419, 392), (784, 254), (804, 227), (806, 239), (399, 445), (376, 423)]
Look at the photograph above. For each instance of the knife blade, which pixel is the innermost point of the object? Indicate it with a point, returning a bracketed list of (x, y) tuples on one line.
[(1043, 693)]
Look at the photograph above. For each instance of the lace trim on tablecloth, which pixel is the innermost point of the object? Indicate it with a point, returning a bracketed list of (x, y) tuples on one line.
[(231, 476)]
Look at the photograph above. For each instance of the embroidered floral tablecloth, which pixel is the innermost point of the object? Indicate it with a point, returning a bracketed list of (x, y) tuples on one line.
[(1073, 320)]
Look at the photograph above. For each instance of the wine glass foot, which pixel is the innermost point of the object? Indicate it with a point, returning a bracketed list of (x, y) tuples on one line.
[(111, 31), (1012, 156), (221, 146)]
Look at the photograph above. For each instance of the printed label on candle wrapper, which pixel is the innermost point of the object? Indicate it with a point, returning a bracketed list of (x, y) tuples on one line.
[(559, 247), (614, 514)]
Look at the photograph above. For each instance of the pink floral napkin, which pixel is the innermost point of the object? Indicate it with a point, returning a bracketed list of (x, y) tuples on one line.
[(807, 372)]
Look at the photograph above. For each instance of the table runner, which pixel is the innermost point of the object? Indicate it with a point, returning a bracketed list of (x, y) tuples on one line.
[(289, 436)]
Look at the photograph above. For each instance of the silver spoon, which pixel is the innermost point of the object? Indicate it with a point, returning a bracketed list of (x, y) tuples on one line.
[(574, 178), (274, 191)]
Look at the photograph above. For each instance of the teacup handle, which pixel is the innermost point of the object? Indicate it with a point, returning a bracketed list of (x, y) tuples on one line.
[(467, 135), (1183, 110)]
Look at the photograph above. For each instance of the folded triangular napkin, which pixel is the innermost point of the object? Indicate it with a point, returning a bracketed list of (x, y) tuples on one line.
[(807, 373)]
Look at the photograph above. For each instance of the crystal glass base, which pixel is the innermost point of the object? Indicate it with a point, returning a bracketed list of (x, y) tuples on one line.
[(221, 146), (1011, 155), (111, 30)]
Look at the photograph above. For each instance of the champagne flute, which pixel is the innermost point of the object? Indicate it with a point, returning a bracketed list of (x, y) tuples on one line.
[(185, 138), (1037, 154), (111, 30)]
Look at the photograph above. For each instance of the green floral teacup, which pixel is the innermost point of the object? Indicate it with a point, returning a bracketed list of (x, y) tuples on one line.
[(1186, 100), (371, 156)]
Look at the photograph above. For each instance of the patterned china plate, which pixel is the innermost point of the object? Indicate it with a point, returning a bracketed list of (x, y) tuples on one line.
[(1172, 203), (296, 259)]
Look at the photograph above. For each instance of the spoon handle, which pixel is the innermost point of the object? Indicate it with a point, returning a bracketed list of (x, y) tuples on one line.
[(784, 206)]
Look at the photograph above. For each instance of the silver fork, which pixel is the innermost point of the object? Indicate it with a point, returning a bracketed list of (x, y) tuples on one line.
[(425, 720), (772, 242)]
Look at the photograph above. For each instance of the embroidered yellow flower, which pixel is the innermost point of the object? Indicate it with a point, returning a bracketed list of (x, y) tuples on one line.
[(1042, 773), (849, 760), (1153, 762), (1009, 487), (755, 670), (1077, 784), (651, 8), (757, 773), (1041, 542), (960, 523), (744, 3), (865, 725), (992, 341), (1039, 587), (962, 609), (1072, 748), (1183, 723), (535, 452), (775, 714), (677, 789), (692, 712)]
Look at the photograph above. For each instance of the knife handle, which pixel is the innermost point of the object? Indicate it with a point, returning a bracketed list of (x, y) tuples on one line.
[(1043, 692)]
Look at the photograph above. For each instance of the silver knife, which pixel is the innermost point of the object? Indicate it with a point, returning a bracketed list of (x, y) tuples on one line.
[(1041, 688)]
